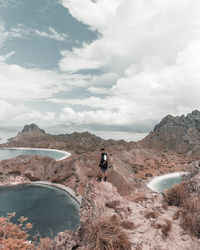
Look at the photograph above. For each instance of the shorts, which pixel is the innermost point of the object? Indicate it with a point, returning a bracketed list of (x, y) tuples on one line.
[(103, 169)]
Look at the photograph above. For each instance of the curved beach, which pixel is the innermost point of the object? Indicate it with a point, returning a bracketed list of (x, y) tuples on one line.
[(153, 184), (60, 186), (65, 153)]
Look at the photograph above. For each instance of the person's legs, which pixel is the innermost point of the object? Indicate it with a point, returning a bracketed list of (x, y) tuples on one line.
[(100, 174), (105, 174)]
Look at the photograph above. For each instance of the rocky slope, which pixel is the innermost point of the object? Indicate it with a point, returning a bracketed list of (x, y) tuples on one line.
[(127, 169), (140, 222), (180, 134), (129, 163)]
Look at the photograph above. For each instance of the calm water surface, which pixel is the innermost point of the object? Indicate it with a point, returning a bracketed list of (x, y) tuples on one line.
[(162, 183), (51, 210), (11, 153)]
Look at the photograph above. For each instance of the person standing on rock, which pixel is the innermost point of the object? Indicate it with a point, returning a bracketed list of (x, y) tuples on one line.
[(103, 165)]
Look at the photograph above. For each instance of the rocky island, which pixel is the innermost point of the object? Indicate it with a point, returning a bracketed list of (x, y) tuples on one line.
[(122, 213)]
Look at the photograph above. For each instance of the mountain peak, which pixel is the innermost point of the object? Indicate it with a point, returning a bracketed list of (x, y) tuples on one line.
[(32, 127), (195, 115)]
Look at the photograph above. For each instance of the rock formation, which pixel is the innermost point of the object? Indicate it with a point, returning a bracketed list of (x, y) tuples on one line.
[(180, 134), (33, 136), (140, 222)]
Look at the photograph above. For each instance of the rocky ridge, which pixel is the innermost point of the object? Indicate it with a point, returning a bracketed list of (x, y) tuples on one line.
[(142, 218), (32, 136), (180, 134)]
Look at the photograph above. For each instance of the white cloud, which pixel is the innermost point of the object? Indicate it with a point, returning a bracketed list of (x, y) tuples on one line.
[(20, 83), (98, 91), (21, 31), (146, 56), (104, 117), (96, 14), (153, 48), (12, 114), (51, 33), (4, 58), (8, 34)]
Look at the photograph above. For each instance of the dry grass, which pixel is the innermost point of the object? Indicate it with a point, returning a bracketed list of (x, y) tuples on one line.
[(166, 228), (177, 215), (138, 197), (45, 244), (165, 205), (190, 208), (113, 204), (176, 196), (191, 217), (151, 214), (106, 234), (126, 224), (129, 210)]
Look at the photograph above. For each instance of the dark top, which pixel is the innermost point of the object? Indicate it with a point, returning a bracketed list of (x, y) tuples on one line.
[(104, 157)]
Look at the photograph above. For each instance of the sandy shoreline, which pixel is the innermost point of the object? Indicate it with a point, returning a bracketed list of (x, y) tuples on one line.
[(60, 186), (67, 154), (152, 184)]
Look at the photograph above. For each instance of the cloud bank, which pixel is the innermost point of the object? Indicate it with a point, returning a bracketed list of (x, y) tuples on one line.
[(152, 46), (143, 65)]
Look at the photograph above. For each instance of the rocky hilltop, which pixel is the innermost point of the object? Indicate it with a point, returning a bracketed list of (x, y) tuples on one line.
[(141, 221), (33, 136), (32, 128), (180, 134), (27, 132)]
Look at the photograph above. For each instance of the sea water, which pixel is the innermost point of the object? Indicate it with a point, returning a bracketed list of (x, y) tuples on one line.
[(164, 182), (8, 153), (50, 210)]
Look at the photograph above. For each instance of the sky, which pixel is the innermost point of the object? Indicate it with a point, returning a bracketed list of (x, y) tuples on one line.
[(117, 64)]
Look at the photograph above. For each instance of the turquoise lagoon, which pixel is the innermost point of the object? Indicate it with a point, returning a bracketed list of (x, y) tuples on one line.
[(164, 182), (49, 209)]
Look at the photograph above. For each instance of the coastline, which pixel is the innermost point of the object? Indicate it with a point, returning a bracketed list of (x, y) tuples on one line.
[(67, 154), (60, 186), (68, 190), (157, 179)]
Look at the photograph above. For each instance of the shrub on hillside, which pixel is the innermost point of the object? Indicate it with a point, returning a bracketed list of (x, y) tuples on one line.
[(14, 236), (176, 196), (189, 212), (106, 234), (191, 217)]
